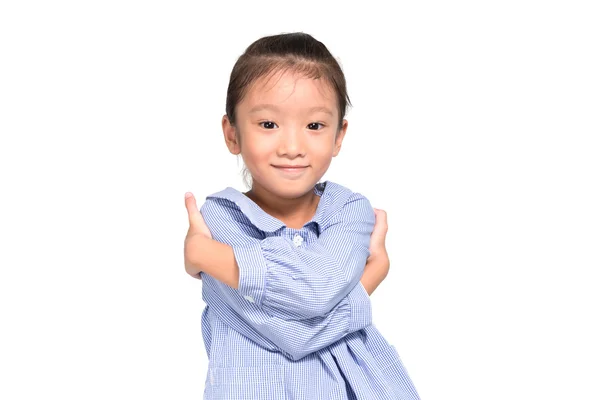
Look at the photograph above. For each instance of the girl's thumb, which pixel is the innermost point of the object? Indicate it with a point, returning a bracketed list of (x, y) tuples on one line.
[(380, 222), (190, 205)]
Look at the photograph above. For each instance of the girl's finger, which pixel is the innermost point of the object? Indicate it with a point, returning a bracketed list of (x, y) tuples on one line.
[(192, 209), (380, 222)]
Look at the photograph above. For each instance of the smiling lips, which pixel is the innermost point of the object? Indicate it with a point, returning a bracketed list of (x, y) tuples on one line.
[(290, 166), (291, 169)]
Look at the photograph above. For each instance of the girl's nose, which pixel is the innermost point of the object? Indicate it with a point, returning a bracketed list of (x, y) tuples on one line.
[(292, 143)]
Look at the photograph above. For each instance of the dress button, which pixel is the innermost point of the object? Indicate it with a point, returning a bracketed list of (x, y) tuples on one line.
[(249, 298), (298, 240)]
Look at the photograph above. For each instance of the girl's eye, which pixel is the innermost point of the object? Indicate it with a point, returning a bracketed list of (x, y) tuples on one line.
[(314, 125), (268, 125)]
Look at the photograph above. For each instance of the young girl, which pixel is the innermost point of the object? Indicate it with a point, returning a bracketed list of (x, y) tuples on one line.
[(288, 266)]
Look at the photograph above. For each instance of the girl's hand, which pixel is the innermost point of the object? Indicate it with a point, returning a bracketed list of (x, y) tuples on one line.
[(377, 244), (378, 263), (197, 224), (197, 227)]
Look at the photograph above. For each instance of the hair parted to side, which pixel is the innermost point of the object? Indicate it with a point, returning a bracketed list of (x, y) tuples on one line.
[(296, 52)]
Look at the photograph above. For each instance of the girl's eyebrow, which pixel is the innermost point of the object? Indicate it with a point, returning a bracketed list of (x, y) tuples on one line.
[(321, 109), (261, 107), (273, 107)]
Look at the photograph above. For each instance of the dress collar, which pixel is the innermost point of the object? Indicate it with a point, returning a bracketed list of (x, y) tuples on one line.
[(333, 198)]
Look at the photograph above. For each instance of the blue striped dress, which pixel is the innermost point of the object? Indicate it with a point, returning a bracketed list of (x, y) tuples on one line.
[(299, 325)]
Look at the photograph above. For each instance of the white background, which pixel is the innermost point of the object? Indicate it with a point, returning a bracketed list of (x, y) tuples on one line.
[(475, 126)]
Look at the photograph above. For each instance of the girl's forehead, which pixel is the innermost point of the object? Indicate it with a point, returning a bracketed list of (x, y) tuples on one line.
[(290, 87)]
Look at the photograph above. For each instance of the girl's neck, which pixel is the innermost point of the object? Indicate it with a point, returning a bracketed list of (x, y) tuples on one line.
[(294, 213)]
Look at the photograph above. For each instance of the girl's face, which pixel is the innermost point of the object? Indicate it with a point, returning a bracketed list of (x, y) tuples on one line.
[(287, 120)]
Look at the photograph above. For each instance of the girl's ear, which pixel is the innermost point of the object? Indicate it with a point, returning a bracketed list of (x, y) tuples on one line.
[(339, 138), (230, 136)]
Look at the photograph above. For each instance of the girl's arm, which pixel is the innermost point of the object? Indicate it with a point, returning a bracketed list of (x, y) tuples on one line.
[(293, 338), (285, 280), (375, 271), (209, 252)]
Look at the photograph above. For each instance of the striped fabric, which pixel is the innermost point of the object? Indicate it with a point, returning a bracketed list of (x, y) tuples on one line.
[(299, 325)]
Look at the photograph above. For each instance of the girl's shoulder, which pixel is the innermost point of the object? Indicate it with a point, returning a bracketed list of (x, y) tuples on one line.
[(339, 203)]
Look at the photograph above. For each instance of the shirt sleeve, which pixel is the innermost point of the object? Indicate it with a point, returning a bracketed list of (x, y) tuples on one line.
[(293, 338), (298, 282)]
